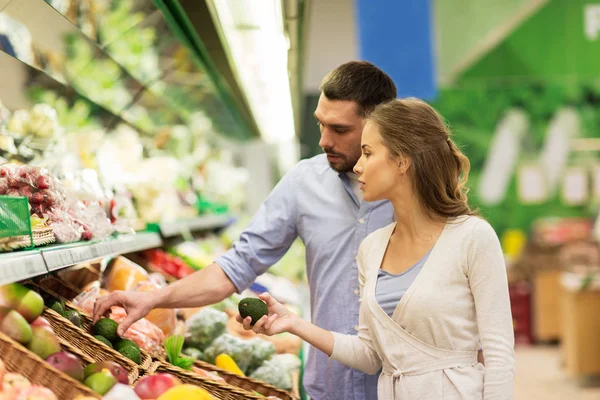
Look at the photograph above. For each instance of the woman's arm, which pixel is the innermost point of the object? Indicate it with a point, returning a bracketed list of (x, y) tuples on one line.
[(280, 319), (489, 285), (354, 351)]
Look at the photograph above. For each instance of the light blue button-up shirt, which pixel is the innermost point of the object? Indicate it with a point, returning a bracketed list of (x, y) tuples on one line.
[(317, 204)]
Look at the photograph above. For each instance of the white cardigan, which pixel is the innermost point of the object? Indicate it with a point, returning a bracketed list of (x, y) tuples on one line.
[(459, 300)]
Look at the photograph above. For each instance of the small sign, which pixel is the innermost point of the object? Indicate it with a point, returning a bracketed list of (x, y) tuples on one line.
[(575, 186), (532, 184), (591, 19)]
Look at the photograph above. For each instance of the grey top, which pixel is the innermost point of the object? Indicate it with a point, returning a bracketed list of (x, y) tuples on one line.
[(391, 287)]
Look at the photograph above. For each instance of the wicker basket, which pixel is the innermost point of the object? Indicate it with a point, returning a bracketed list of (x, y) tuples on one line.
[(20, 360), (219, 390), (39, 237), (243, 382), (86, 326), (93, 347), (62, 289), (79, 276)]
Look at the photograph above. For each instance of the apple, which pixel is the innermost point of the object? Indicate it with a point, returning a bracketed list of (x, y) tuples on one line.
[(151, 387)]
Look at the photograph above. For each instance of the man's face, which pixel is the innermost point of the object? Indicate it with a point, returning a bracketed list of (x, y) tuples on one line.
[(341, 128)]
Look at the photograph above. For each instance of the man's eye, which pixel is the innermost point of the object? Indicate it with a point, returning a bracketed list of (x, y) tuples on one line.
[(367, 155), (340, 130)]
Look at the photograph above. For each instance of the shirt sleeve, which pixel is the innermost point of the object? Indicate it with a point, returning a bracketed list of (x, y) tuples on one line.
[(357, 351), (266, 239), (489, 285)]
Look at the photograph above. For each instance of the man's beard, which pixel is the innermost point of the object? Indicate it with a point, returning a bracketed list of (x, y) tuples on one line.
[(343, 165)]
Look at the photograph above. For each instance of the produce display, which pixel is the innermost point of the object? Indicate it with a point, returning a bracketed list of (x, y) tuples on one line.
[(105, 141)]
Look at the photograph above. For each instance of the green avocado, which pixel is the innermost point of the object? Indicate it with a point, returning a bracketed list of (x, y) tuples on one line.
[(57, 305), (74, 317), (131, 352), (103, 340), (106, 327), (254, 308)]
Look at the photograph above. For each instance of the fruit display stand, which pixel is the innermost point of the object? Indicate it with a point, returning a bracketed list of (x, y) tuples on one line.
[(221, 391), (87, 274), (20, 360)]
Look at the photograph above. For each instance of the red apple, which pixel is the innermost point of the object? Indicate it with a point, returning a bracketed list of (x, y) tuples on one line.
[(43, 322), (151, 387)]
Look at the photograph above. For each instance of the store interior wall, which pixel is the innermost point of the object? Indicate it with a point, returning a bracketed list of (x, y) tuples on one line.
[(331, 41)]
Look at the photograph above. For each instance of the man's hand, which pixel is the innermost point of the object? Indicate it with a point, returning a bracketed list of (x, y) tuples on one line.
[(136, 304), (279, 319)]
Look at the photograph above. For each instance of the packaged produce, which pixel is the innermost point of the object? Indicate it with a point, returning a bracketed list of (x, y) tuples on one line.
[(165, 319), (143, 332), (168, 263), (124, 274)]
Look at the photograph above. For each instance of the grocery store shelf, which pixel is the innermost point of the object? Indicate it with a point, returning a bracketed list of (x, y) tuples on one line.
[(28, 264), (57, 257), (21, 265), (203, 223)]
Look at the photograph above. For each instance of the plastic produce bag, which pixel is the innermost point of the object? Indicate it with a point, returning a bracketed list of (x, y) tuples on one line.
[(147, 335), (165, 319), (124, 274), (143, 332)]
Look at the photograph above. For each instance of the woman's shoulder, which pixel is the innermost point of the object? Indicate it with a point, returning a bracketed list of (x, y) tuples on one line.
[(470, 227)]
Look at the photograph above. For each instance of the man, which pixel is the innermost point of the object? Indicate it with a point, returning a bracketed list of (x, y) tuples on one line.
[(319, 200)]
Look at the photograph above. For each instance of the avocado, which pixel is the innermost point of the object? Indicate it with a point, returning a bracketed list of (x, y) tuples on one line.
[(103, 340), (57, 305), (74, 317), (122, 343), (131, 352), (254, 308), (106, 327)]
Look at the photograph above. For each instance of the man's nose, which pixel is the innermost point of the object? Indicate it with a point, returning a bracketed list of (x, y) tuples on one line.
[(325, 141)]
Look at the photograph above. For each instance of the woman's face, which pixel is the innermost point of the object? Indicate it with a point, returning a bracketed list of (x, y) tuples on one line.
[(379, 173)]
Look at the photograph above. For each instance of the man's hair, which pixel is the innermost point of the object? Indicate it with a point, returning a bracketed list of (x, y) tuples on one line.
[(361, 82)]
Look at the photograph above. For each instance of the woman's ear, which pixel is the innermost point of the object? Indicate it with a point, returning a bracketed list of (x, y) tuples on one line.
[(403, 165)]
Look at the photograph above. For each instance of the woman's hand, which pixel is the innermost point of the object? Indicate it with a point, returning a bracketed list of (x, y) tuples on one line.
[(279, 319)]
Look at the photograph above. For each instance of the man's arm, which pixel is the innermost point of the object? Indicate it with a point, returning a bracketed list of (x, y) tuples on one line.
[(201, 288), (266, 239)]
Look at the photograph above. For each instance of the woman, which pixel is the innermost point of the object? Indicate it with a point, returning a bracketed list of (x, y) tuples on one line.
[(433, 284)]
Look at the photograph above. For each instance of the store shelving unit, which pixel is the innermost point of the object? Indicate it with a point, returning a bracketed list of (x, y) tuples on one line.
[(202, 223), (182, 84), (28, 264)]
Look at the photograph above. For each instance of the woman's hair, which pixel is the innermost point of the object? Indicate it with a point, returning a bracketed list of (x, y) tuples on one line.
[(412, 128)]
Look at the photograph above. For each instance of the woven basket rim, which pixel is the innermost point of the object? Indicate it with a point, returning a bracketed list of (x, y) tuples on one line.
[(209, 382), (59, 374), (251, 381)]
